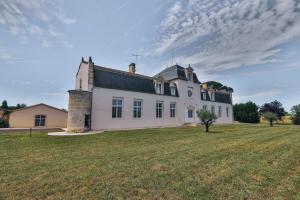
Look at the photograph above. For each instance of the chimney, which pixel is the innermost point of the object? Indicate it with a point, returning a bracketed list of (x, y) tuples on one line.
[(132, 68)]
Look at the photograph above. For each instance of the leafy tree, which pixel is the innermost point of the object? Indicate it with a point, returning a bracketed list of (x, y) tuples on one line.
[(20, 106), (271, 117), (274, 107), (246, 112), (296, 114), (207, 118), (4, 104)]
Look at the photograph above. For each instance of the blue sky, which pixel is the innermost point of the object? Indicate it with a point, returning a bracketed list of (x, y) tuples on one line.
[(250, 45)]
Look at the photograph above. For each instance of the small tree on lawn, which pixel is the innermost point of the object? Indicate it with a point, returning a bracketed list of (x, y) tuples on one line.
[(207, 118), (271, 117)]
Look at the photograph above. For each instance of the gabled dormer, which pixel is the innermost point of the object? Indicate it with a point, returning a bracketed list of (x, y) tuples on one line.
[(159, 85), (189, 71)]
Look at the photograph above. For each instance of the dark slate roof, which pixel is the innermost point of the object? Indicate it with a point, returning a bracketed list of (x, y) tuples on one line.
[(219, 97), (176, 72), (121, 80), (222, 98)]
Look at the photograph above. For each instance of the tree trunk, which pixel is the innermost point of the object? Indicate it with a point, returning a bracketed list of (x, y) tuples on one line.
[(206, 128), (271, 123)]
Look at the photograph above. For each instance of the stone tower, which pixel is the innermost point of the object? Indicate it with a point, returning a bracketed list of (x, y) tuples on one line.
[(80, 102)]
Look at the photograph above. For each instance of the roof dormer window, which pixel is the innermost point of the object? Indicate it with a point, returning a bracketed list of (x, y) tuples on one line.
[(190, 76), (173, 90), (159, 88)]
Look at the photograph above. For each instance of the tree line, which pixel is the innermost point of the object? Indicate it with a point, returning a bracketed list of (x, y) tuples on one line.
[(251, 113)]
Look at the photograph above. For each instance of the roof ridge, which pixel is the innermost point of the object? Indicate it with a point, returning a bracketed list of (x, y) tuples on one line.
[(121, 72)]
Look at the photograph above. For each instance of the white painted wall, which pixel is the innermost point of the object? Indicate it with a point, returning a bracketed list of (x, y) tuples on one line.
[(102, 108), (83, 74)]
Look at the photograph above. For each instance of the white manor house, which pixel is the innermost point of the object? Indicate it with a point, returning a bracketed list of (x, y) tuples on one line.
[(106, 98)]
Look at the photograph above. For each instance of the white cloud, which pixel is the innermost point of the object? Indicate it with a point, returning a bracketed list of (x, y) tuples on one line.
[(34, 19), (219, 35)]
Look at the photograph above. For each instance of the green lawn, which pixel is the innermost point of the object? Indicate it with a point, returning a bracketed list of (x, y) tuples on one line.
[(232, 162)]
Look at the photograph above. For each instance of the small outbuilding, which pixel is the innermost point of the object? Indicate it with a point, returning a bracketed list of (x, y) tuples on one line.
[(38, 116)]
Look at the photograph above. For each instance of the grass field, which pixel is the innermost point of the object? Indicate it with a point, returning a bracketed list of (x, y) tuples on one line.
[(232, 162)]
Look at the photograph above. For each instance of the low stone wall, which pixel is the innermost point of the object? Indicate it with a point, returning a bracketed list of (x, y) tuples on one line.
[(80, 103)]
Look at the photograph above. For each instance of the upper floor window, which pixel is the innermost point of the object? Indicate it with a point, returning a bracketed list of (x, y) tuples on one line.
[(173, 90), (172, 109), (159, 88), (220, 111), (212, 96), (40, 120), (204, 96), (190, 92), (80, 84), (227, 111), (159, 109), (117, 105), (137, 108)]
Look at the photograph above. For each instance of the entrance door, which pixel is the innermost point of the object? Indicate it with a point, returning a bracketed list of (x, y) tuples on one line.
[(190, 115)]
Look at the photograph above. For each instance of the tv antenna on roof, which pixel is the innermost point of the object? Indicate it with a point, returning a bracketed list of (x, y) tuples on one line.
[(136, 57)]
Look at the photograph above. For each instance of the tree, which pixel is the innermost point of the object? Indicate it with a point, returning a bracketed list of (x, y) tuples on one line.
[(296, 114), (4, 104), (207, 118), (274, 107), (20, 106), (246, 112), (271, 117)]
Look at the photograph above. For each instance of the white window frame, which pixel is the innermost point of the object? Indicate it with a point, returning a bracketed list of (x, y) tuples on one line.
[(137, 109), (227, 111), (159, 110), (173, 90), (212, 96), (40, 120), (190, 89), (118, 106), (159, 88), (204, 95), (190, 114), (213, 109), (173, 109)]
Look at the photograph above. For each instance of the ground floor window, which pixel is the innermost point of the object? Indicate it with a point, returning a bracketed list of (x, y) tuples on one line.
[(173, 110), (212, 109), (220, 111), (190, 114), (227, 111), (40, 120), (204, 108), (117, 105), (159, 109), (137, 108)]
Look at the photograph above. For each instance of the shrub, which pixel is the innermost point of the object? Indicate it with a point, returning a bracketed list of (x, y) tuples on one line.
[(246, 112)]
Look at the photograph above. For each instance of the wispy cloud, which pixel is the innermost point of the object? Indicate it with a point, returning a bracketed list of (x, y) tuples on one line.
[(34, 19), (256, 95), (220, 35)]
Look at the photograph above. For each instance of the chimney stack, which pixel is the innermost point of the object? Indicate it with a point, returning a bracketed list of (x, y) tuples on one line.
[(132, 68)]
